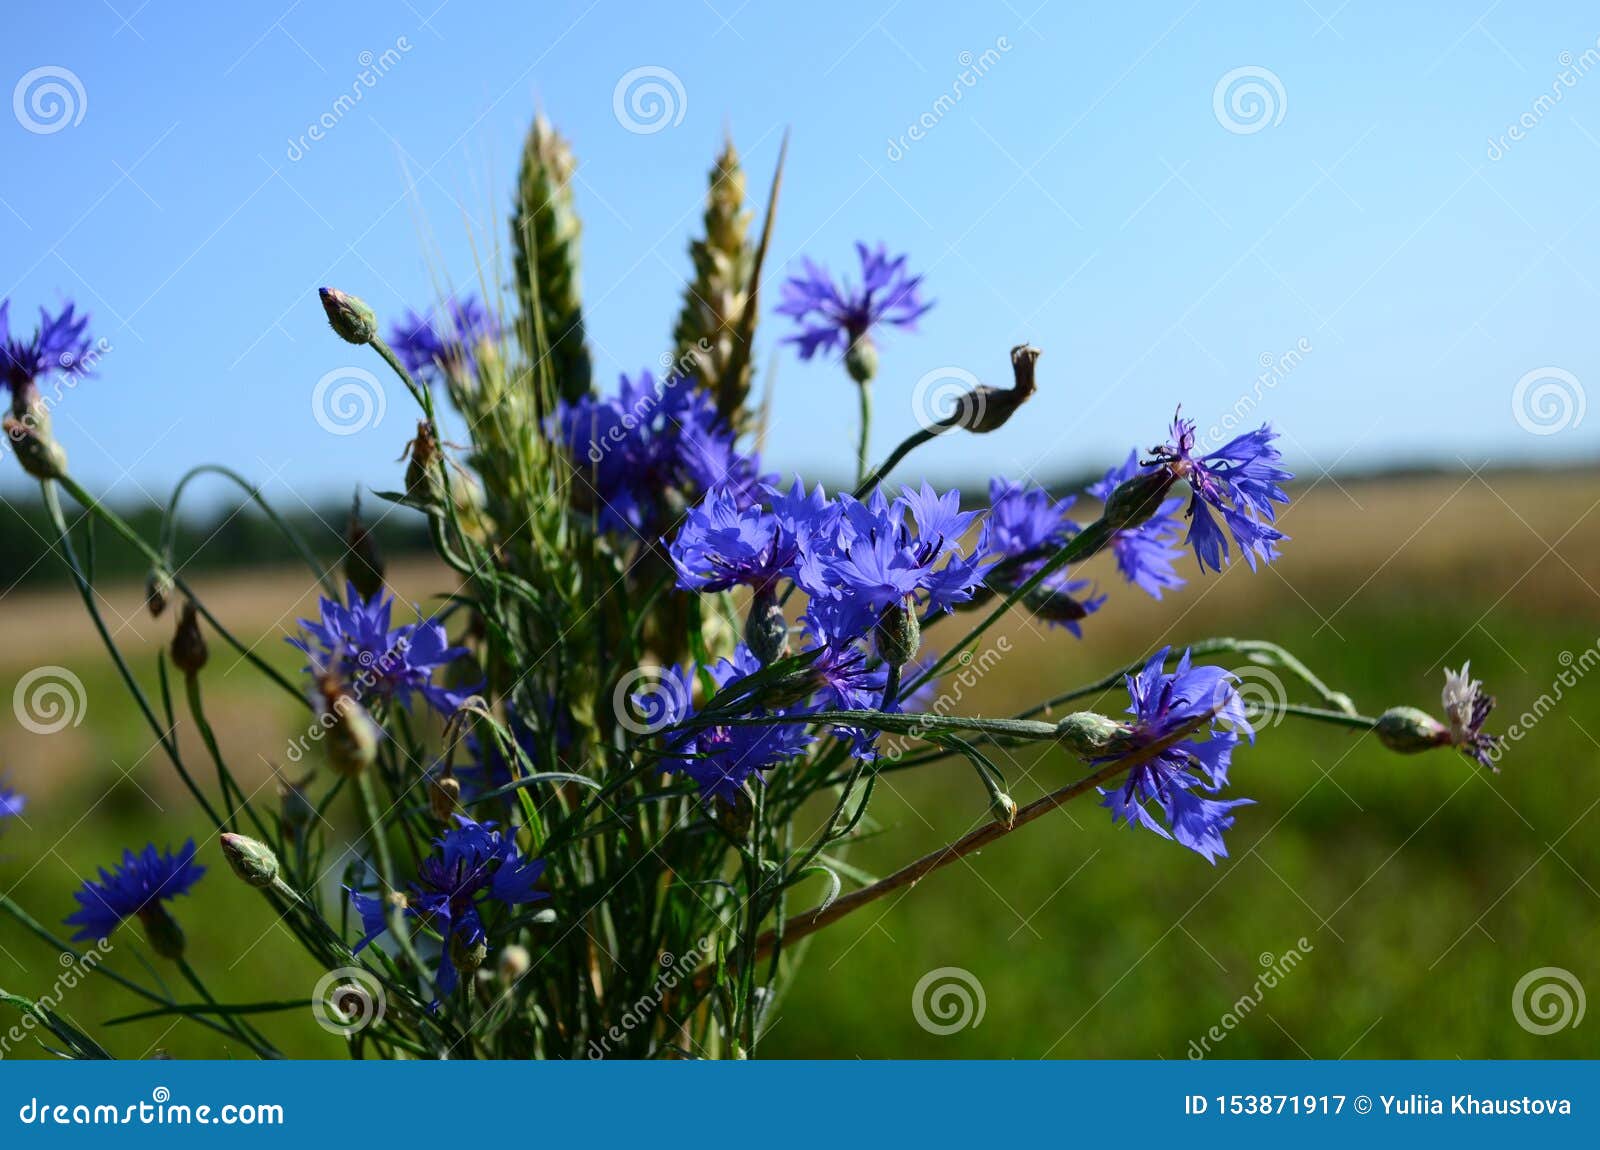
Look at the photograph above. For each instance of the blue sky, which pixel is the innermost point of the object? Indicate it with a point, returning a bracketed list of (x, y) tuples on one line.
[(1093, 191)]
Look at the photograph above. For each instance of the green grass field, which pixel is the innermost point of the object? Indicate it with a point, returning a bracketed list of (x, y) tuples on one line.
[(1423, 888)]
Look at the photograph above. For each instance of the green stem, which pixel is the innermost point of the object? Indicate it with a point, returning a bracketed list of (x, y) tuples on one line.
[(241, 1029), (864, 434)]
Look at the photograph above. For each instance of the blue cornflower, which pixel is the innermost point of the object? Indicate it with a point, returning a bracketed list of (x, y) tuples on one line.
[(57, 344), (902, 553), (377, 660), (726, 542), (12, 803), (720, 758), (475, 864), (138, 886), (444, 344), (651, 440), (835, 316), (1025, 526), (1240, 480), (1144, 553), (1162, 703)]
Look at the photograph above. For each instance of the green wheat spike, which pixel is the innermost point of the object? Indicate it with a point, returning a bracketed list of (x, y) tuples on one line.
[(715, 300), (544, 236)]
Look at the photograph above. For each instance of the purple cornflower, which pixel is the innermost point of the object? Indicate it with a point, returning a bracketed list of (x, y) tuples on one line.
[(475, 865), (838, 316), (1240, 481), (138, 886), (12, 803), (57, 344), (1467, 707), (728, 542), (1161, 704), (444, 344), (632, 449), (881, 560), (1025, 526), (377, 660), (1144, 553)]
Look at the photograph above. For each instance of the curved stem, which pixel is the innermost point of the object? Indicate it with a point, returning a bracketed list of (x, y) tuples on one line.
[(907, 446), (864, 433)]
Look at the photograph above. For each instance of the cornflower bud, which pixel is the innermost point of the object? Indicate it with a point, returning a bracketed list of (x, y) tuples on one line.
[(766, 630), (467, 956), (352, 736), (157, 591), (1090, 736), (162, 930), (1409, 731), (1136, 500), (350, 317), (422, 481), (363, 563), (188, 644), (252, 861), (295, 808), (39, 455), (444, 796), (897, 635), (861, 360)]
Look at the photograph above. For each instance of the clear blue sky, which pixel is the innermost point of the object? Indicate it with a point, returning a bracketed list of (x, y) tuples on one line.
[(1084, 194)]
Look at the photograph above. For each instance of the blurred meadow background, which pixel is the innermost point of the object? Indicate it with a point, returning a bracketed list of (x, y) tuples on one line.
[(1411, 217)]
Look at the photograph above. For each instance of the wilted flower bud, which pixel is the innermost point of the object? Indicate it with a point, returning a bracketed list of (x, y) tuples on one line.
[(252, 861), (766, 630), (422, 482), (157, 591), (897, 635), (514, 962), (188, 644), (444, 796), (349, 316), (352, 737), (363, 564), (1090, 736), (985, 409), (861, 361), (1408, 731), (1004, 808), (165, 935), (39, 455)]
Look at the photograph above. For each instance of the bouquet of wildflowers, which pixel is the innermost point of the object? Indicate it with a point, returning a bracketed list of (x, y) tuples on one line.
[(609, 783)]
